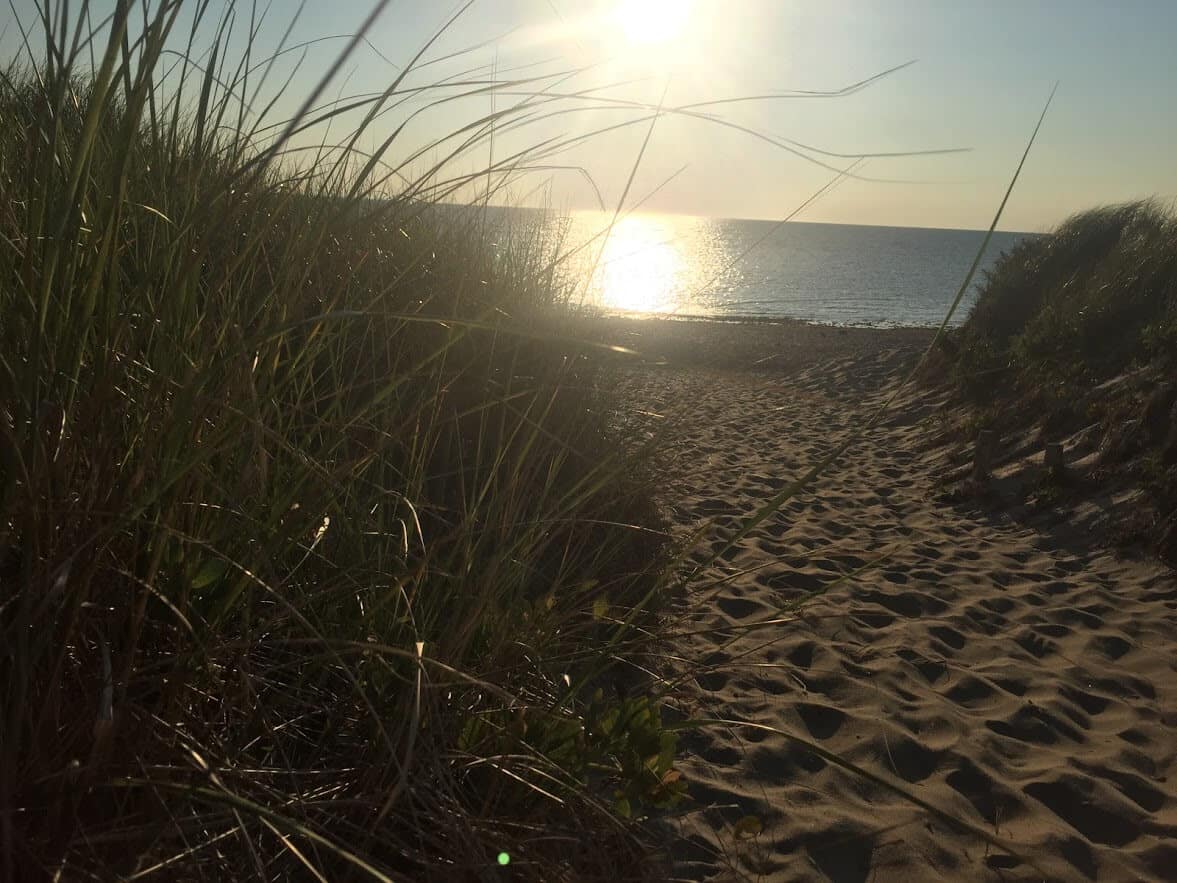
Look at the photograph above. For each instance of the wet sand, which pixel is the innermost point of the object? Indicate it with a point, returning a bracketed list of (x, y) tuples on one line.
[(1020, 681)]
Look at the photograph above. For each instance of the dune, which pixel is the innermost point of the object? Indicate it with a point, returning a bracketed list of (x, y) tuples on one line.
[(1005, 693)]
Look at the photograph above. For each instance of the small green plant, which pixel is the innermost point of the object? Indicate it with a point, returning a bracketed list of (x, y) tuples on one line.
[(620, 748), (632, 732)]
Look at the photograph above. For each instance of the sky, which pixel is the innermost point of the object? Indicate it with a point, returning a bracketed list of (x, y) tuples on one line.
[(979, 76)]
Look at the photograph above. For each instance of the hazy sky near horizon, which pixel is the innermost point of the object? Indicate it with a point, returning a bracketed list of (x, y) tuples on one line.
[(982, 72)]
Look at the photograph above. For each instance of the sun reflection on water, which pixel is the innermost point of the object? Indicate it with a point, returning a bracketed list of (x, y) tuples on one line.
[(642, 267)]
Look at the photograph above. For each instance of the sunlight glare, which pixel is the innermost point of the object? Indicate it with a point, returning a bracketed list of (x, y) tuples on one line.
[(642, 267), (648, 22)]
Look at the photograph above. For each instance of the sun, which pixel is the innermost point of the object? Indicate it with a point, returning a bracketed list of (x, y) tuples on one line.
[(652, 22)]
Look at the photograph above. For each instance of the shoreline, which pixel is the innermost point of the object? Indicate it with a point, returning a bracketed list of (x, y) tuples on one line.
[(763, 319), (765, 346)]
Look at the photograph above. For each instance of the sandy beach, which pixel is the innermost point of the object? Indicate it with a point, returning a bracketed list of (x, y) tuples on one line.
[(1017, 679)]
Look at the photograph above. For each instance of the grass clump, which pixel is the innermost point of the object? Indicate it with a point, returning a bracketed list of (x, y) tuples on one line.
[(1077, 331), (316, 532), (1088, 300)]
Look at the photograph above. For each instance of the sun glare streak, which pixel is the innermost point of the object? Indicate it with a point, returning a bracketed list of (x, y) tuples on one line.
[(642, 267)]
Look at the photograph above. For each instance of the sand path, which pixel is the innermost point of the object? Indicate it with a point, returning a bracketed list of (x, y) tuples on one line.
[(1022, 682)]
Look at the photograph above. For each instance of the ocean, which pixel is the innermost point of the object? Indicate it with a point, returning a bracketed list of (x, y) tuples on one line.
[(842, 274)]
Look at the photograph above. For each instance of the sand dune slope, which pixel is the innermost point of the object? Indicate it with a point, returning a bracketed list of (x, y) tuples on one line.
[(1024, 685)]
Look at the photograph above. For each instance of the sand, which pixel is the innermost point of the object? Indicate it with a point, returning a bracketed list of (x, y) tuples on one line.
[(1016, 679)]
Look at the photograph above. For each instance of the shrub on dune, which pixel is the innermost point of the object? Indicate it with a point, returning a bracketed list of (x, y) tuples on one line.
[(1087, 299)]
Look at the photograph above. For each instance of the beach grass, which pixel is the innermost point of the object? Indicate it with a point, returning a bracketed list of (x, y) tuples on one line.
[(1078, 329), (1087, 300), (321, 547)]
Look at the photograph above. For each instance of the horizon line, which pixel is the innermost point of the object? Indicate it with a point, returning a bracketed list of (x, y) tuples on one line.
[(644, 213)]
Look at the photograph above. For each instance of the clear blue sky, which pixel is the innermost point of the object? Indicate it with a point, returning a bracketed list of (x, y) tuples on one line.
[(982, 73)]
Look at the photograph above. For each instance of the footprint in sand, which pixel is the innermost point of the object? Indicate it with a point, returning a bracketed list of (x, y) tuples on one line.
[(949, 636), (844, 852), (1035, 725), (1034, 643), (740, 608), (802, 655), (912, 761), (1092, 811), (872, 619), (971, 692), (1089, 702), (822, 721), (988, 798), (930, 670), (1109, 646), (710, 678)]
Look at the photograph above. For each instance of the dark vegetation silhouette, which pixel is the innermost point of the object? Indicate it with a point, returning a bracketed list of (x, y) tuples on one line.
[(316, 530), (1078, 329)]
